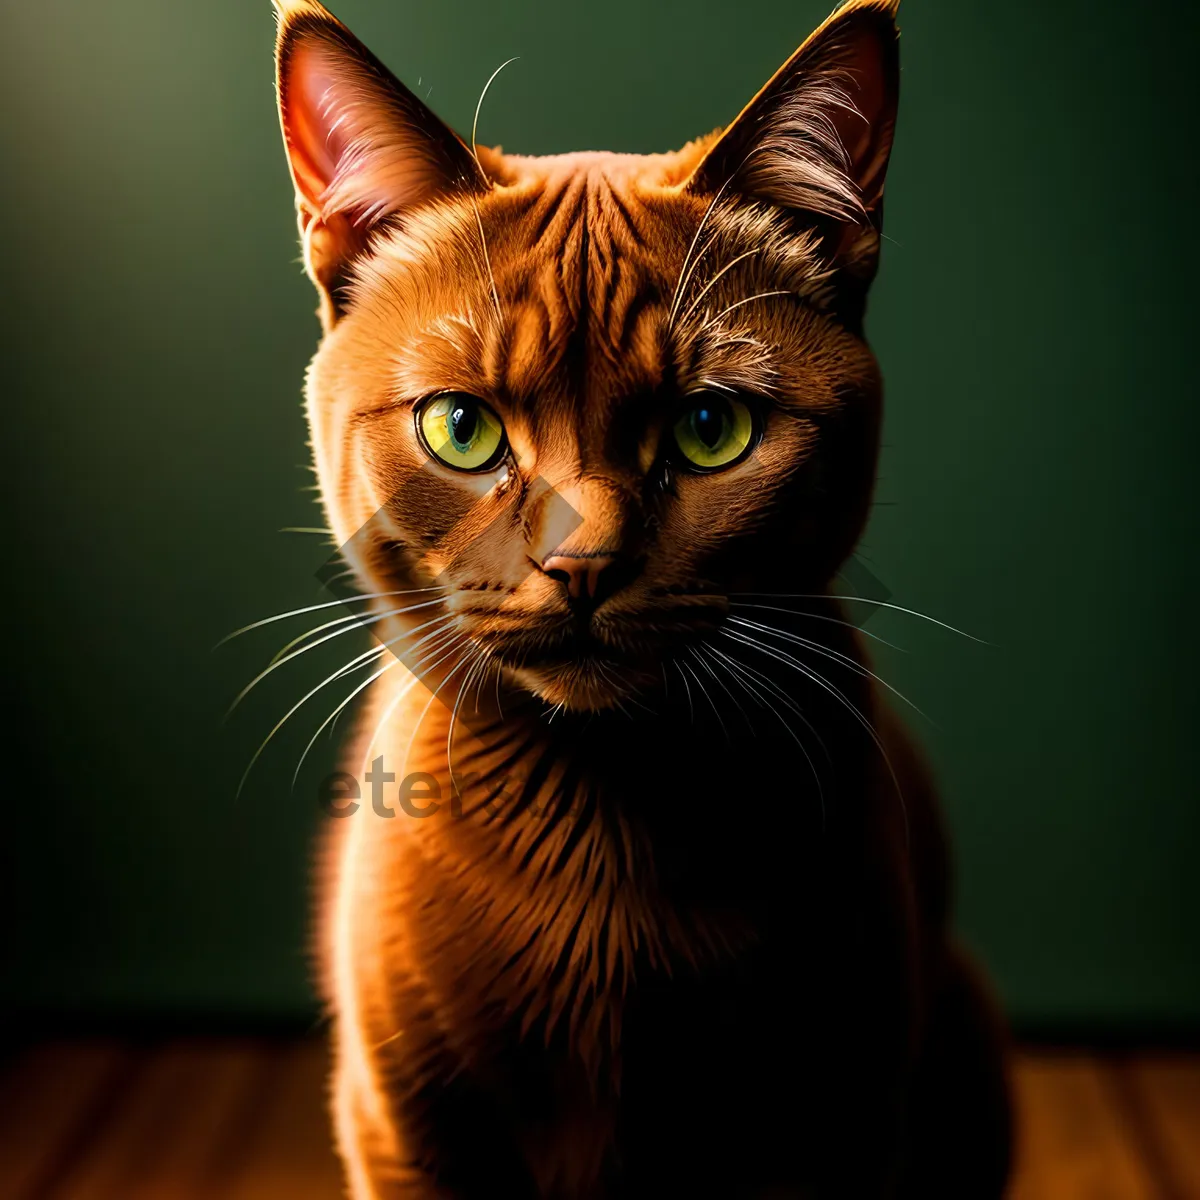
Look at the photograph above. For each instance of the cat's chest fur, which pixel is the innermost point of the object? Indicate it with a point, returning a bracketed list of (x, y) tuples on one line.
[(633, 925)]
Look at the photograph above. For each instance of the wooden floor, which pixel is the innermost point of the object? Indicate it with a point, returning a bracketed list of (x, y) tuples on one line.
[(244, 1120)]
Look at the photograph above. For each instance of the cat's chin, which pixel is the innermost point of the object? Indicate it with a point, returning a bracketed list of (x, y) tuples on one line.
[(580, 687)]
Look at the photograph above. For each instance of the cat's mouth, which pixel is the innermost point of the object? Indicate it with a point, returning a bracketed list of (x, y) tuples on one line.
[(621, 641), (582, 651), (595, 665)]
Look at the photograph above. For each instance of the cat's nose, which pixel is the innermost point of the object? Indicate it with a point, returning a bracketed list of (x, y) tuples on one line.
[(588, 578)]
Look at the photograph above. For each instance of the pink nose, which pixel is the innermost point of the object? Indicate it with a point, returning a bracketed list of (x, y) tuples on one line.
[(586, 579)]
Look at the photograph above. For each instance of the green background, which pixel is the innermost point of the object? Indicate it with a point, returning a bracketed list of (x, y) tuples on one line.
[(1034, 320)]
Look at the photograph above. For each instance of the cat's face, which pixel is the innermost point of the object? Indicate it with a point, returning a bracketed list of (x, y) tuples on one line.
[(584, 399)]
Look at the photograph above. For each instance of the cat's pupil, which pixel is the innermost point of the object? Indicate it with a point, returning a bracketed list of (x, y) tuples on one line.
[(463, 420), (708, 423)]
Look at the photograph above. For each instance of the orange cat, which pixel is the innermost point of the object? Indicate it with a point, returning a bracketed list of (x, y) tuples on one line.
[(649, 896)]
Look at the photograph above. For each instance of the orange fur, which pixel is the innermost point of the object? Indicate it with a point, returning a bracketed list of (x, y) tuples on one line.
[(537, 988)]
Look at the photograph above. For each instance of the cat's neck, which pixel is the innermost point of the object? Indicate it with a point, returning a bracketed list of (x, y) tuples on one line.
[(658, 793)]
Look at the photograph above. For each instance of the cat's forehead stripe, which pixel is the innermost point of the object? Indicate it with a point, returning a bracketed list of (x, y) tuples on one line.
[(579, 288)]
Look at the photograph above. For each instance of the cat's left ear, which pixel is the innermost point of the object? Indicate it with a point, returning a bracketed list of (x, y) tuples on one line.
[(361, 147), (816, 139)]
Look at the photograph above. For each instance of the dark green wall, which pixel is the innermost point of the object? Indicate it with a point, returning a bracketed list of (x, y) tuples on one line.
[(1034, 319)]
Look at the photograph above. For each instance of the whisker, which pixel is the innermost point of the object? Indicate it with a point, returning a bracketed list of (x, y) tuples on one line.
[(615, 681), (475, 667), (299, 612), (478, 107), (812, 616), (866, 600), (370, 679), (686, 688), (348, 573), (374, 652), (775, 690), (428, 705), (748, 300), (387, 716), (704, 692), (408, 653), (340, 673), (809, 673), (499, 679), (721, 684), (835, 655), (353, 618), (487, 659), (276, 663), (735, 667), (817, 678), (708, 287), (685, 272), (603, 671), (391, 708), (341, 707), (765, 681), (487, 259)]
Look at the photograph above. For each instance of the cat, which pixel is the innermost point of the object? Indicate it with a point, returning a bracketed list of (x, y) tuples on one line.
[(655, 901)]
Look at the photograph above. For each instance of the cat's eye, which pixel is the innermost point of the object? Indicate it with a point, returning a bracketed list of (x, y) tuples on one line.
[(714, 431), (461, 431)]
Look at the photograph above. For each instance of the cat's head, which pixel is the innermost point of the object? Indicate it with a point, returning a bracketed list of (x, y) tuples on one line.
[(589, 397)]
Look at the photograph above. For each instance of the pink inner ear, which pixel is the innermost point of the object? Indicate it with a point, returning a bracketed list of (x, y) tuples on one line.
[(312, 143), (353, 145)]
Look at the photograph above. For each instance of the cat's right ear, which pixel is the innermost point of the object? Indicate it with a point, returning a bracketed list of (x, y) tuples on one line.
[(816, 139), (361, 147)]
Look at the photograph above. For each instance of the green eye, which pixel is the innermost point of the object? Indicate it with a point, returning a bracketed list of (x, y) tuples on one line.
[(715, 431), (461, 431)]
